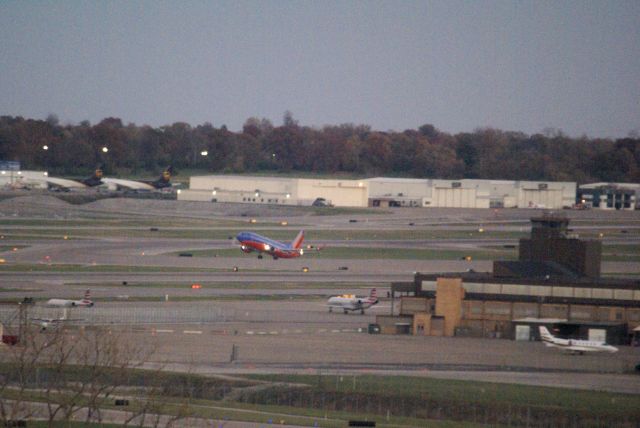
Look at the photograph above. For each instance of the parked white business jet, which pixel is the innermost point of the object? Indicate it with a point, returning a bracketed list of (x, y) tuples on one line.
[(46, 323), (351, 302), (72, 303), (574, 346)]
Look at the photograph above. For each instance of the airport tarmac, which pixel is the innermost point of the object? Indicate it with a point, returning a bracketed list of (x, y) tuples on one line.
[(328, 349), (272, 311), (302, 336)]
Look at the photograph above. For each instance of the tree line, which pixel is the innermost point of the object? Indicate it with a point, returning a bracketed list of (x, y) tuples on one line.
[(350, 149)]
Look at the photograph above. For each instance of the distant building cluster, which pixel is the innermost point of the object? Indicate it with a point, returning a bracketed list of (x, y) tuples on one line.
[(370, 192), (381, 192)]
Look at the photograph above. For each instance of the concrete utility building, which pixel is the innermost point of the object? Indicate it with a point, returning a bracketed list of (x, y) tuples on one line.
[(555, 282), (610, 196), (381, 191)]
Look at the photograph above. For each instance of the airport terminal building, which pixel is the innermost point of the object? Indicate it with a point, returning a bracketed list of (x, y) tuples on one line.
[(381, 192), (555, 282)]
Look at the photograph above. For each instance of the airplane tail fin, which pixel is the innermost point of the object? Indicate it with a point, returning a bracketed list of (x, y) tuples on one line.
[(96, 178), (164, 180), (297, 243), (544, 333), (166, 174), (87, 297), (373, 295)]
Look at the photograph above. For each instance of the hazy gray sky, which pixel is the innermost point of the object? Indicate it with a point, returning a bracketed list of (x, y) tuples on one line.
[(393, 65)]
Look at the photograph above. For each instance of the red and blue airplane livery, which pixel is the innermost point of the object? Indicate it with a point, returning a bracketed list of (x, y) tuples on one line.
[(250, 242)]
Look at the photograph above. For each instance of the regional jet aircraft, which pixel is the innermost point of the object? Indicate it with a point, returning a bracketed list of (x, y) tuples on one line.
[(72, 303), (45, 323), (351, 302), (574, 346), (250, 242)]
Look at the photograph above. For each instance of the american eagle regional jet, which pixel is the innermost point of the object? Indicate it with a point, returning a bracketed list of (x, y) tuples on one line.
[(250, 242), (65, 303), (351, 302), (574, 346)]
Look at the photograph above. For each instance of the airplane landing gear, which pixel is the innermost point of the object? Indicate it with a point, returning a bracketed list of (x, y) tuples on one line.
[(259, 256)]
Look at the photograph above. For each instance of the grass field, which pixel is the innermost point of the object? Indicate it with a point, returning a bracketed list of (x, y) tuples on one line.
[(123, 222), (391, 401), (469, 391), (280, 234), (239, 285), (100, 268), (363, 253), (4, 248)]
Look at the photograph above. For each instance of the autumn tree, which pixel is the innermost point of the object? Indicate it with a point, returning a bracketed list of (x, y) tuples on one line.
[(66, 375)]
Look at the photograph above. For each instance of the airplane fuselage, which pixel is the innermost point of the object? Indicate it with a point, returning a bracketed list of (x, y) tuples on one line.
[(576, 346), (350, 302), (250, 242), (64, 303)]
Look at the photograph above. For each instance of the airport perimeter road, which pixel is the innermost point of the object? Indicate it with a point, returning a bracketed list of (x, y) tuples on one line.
[(37, 410)]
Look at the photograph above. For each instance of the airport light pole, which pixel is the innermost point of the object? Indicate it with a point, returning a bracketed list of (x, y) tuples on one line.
[(203, 155), (46, 159)]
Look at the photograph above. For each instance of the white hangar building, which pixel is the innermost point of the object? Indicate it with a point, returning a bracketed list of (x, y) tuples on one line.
[(470, 193), (275, 190), (381, 191)]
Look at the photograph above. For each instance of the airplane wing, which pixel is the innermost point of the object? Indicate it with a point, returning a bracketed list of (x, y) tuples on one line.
[(577, 348), (378, 307)]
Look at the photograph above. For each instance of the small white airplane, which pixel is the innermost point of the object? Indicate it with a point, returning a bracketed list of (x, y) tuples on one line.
[(64, 303), (574, 346), (351, 302), (45, 323)]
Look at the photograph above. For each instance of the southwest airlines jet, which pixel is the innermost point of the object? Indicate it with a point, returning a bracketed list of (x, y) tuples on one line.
[(250, 242)]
